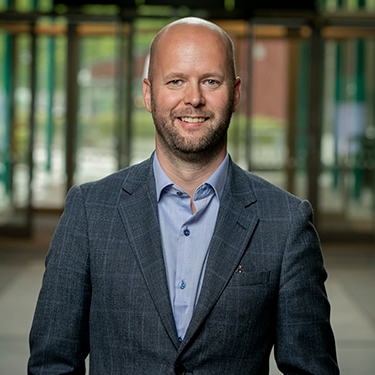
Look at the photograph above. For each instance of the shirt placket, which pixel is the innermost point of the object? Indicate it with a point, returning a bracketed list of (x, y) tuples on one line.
[(187, 279), (183, 285)]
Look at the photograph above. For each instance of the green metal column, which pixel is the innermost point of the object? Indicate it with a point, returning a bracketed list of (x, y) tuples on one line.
[(71, 103), (9, 44), (292, 109), (125, 94), (360, 100), (129, 94), (361, 4), (50, 89), (33, 78), (339, 98), (302, 105), (50, 93), (8, 111), (314, 133)]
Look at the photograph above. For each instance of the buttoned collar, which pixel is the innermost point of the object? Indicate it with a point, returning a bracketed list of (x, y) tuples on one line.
[(216, 180)]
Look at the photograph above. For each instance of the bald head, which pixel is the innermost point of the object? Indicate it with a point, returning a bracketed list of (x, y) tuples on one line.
[(183, 25)]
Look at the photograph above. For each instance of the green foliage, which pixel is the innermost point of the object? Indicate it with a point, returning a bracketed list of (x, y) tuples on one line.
[(142, 39), (24, 6), (152, 10), (45, 5), (147, 23), (100, 127), (101, 9), (3, 5), (143, 126), (2, 58), (96, 132), (23, 60), (264, 128), (95, 49)]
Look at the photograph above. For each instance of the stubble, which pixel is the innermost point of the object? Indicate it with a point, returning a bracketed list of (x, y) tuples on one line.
[(192, 148)]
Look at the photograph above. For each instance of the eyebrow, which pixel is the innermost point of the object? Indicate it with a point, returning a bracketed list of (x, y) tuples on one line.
[(174, 75)]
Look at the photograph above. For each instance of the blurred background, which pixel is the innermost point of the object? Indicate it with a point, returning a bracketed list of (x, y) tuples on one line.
[(71, 111)]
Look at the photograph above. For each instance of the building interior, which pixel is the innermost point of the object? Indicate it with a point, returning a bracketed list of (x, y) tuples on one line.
[(71, 111)]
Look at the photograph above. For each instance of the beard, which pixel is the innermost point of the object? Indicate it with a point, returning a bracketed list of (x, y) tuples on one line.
[(193, 148)]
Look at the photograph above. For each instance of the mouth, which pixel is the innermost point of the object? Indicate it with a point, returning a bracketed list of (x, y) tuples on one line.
[(193, 119)]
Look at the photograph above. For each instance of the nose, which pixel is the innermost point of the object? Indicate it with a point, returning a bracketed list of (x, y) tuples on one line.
[(194, 95)]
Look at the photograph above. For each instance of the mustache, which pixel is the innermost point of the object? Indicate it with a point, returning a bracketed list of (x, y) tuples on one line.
[(192, 113)]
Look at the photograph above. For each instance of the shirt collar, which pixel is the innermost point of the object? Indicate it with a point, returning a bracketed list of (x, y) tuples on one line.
[(216, 180)]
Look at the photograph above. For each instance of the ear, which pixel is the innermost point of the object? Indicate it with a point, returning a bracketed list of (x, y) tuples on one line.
[(146, 88), (236, 94)]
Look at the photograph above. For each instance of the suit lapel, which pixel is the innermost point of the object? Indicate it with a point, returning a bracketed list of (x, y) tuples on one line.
[(138, 210), (235, 224)]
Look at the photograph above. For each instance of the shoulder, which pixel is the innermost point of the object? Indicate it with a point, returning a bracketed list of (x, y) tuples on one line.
[(108, 188), (272, 201)]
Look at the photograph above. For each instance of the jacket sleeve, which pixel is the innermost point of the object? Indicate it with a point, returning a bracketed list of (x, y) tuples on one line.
[(304, 338), (59, 337)]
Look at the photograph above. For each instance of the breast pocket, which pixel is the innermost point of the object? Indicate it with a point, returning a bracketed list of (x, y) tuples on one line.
[(249, 278)]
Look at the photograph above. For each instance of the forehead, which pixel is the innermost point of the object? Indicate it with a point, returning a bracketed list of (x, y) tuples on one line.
[(190, 48)]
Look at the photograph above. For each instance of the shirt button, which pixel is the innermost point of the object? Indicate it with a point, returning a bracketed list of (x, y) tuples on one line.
[(187, 232), (180, 193), (182, 285)]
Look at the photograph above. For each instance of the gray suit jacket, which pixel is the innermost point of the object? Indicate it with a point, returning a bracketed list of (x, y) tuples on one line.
[(105, 290)]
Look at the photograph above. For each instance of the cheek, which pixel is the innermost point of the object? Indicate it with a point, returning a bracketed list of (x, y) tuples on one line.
[(166, 99), (170, 101), (218, 102)]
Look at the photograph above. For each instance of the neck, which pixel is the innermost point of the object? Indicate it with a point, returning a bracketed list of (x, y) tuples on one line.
[(189, 175)]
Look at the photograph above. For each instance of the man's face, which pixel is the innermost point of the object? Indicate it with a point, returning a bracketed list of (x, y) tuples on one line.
[(192, 94)]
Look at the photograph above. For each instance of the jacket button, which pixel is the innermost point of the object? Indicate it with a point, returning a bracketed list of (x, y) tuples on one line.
[(180, 370)]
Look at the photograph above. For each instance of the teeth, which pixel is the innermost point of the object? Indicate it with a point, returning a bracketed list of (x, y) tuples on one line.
[(193, 119)]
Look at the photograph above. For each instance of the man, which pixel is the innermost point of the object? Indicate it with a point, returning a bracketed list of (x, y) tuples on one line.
[(184, 263)]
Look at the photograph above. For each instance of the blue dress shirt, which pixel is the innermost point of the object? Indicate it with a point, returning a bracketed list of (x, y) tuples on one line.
[(186, 237)]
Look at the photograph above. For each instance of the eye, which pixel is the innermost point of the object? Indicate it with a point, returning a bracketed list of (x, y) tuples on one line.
[(211, 83), (175, 82)]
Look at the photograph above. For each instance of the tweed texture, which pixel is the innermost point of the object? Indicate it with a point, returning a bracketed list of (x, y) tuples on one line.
[(105, 291)]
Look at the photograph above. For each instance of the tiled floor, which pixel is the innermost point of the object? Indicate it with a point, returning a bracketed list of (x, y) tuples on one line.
[(351, 289)]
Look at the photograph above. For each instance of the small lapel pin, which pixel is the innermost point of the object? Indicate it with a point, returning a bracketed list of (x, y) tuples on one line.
[(239, 269)]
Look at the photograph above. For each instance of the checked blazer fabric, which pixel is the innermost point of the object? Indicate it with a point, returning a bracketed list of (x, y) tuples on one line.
[(105, 291)]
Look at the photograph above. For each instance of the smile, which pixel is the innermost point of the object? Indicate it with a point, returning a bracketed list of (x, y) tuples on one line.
[(193, 119)]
